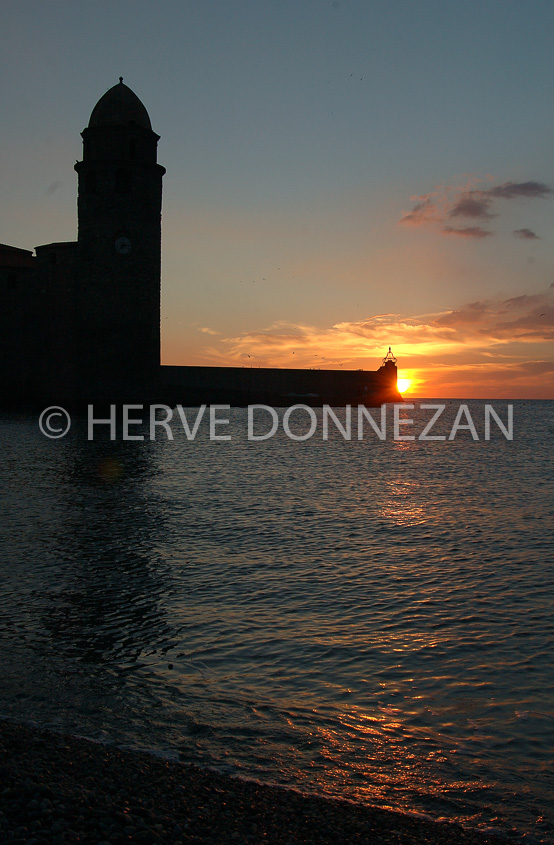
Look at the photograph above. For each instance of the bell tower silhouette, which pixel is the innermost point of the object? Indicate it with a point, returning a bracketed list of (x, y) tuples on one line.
[(117, 293)]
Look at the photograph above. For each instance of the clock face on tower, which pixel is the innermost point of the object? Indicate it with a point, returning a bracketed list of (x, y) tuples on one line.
[(123, 246)]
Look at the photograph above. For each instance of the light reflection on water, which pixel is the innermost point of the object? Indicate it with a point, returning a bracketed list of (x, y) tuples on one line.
[(401, 503), (368, 619)]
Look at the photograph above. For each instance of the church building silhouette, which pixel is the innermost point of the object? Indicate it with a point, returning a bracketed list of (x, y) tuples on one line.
[(80, 321)]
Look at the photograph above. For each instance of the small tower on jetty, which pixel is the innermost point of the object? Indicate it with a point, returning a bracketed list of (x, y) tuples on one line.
[(389, 360), (387, 375)]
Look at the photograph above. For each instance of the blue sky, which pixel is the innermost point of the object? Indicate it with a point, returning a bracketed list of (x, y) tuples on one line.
[(341, 176)]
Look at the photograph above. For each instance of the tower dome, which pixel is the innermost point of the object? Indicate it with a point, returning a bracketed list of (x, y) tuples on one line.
[(119, 107), (119, 247)]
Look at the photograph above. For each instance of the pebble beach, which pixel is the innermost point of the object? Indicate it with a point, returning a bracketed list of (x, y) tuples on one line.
[(60, 789)]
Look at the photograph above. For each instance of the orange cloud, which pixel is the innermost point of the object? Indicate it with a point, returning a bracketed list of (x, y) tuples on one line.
[(475, 350)]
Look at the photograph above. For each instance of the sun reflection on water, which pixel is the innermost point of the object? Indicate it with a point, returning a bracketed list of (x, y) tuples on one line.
[(378, 753), (400, 504)]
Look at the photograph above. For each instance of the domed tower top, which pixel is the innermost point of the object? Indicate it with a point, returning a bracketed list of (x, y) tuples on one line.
[(119, 107), (119, 247)]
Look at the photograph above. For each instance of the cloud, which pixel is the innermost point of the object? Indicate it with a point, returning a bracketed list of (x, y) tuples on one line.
[(489, 348), (512, 190), (471, 314), (471, 203), (467, 231), (526, 234), (423, 212), (486, 334)]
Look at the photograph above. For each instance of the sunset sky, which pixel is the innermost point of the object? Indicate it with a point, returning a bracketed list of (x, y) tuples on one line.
[(341, 176)]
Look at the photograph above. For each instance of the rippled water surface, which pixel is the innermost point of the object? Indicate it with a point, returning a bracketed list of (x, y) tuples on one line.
[(368, 619)]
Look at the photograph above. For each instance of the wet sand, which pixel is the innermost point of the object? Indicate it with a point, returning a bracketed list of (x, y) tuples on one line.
[(58, 789)]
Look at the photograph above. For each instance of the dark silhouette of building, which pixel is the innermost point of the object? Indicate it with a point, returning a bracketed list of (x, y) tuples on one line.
[(80, 320), (119, 248)]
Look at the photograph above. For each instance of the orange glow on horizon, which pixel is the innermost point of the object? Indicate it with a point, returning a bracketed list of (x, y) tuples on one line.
[(485, 375)]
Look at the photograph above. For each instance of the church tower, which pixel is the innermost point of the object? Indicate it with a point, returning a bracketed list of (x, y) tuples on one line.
[(117, 293)]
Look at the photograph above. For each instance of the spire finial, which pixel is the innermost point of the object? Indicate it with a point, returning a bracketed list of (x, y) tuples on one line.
[(121, 79)]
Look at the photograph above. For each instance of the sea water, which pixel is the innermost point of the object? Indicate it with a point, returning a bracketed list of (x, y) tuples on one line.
[(367, 618)]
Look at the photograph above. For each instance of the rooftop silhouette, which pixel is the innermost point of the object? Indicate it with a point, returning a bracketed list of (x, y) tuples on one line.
[(81, 321)]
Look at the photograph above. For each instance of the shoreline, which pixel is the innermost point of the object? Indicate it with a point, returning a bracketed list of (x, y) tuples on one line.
[(61, 789)]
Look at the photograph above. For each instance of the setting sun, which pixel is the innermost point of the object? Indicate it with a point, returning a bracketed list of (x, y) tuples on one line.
[(403, 384)]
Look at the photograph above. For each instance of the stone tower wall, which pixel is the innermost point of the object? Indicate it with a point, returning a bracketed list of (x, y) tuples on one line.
[(119, 261)]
